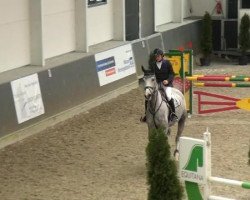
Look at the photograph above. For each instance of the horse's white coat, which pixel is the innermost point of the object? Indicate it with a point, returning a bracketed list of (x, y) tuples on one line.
[(158, 110)]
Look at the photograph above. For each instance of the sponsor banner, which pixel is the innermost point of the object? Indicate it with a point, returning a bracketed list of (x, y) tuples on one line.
[(193, 160), (115, 64), (27, 98)]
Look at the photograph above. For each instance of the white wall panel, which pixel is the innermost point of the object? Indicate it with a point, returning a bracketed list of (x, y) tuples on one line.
[(59, 27), (199, 7), (100, 23), (163, 12), (14, 34), (13, 11), (57, 6)]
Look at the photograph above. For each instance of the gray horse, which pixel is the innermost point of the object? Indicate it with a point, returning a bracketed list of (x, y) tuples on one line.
[(158, 110)]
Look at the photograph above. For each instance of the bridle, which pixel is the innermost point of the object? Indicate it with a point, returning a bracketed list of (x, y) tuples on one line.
[(152, 107), (151, 90)]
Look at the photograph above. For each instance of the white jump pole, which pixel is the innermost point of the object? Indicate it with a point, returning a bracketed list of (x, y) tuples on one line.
[(229, 182), (218, 198), (207, 152)]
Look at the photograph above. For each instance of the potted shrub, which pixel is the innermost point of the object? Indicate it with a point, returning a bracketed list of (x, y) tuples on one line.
[(162, 175), (244, 39), (206, 39)]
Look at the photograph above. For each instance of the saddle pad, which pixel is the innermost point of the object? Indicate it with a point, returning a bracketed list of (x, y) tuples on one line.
[(177, 101)]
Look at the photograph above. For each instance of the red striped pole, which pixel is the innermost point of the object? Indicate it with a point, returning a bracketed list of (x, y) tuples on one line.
[(218, 78), (220, 75), (221, 84)]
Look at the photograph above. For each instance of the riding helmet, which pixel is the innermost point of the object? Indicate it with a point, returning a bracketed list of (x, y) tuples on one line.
[(158, 52)]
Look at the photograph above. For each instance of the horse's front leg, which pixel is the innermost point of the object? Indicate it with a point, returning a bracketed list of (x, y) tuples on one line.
[(165, 130), (176, 151), (180, 129)]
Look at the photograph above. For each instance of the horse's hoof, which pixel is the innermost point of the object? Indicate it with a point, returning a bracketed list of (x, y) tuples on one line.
[(176, 154), (143, 119)]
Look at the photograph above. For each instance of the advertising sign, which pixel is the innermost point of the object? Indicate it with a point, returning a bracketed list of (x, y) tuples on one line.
[(27, 98), (115, 64), (192, 160)]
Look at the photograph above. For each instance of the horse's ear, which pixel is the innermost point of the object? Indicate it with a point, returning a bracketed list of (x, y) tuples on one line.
[(146, 71)]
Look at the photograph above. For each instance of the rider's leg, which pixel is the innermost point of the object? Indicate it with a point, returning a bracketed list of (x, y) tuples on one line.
[(144, 119), (173, 116)]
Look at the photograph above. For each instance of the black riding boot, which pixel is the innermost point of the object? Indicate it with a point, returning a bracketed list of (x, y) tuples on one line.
[(173, 116), (144, 119)]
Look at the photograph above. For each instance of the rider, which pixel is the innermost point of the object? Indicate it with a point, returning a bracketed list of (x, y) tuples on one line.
[(164, 74)]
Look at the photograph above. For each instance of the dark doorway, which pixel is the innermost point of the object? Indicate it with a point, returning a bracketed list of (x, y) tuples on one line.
[(245, 4), (231, 34), (232, 11), (132, 19), (216, 35)]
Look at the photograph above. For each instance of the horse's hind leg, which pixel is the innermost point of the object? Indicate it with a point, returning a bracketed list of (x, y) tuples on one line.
[(181, 124)]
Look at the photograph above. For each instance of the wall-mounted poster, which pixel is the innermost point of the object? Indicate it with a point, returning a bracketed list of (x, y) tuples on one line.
[(115, 64), (27, 98)]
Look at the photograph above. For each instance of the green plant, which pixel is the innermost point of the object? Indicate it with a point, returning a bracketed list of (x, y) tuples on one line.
[(162, 171), (244, 36), (206, 35)]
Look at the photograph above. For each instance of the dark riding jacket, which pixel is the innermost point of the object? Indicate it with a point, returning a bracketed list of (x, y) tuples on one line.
[(165, 73)]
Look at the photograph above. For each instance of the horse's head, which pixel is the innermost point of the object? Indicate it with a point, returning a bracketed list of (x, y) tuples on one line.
[(149, 83)]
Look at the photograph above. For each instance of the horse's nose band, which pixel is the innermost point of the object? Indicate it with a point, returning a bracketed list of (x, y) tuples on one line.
[(149, 87)]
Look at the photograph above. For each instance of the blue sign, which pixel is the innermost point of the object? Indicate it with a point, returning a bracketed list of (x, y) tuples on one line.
[(105, 64)]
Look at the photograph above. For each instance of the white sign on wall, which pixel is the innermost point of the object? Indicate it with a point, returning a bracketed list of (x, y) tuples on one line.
[(115, 64), (27, 98), (193, 160)]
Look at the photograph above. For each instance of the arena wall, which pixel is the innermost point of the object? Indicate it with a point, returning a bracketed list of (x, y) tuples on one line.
[(69, 84)]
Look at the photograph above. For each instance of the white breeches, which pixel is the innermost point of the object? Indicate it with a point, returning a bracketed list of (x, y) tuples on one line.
[(168, 91)]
